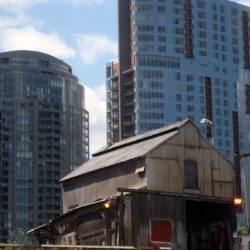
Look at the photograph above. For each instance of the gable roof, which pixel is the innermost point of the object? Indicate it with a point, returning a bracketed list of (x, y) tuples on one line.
[(128, 149), (142, 137)]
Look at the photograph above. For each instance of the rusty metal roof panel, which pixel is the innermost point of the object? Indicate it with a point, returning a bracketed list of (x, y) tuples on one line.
[(122, 154)]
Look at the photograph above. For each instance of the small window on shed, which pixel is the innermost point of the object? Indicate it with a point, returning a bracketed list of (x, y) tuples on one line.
[(161, 230), (191, 174)]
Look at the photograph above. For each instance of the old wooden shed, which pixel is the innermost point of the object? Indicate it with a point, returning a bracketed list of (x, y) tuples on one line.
[(167, 187)]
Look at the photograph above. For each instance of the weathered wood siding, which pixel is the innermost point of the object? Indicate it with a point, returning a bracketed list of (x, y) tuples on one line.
[(102, 184), (165, 165), (164, 172), (146, 207)]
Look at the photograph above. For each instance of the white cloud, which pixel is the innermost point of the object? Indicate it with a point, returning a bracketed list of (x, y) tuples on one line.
[(18, 5), (95, 101), (86, 2), (245, 2), (19, 20), (31, 39), (21, 32), (93, 46)]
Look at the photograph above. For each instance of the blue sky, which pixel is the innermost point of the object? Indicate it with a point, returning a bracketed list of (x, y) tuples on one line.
[(83, 33)]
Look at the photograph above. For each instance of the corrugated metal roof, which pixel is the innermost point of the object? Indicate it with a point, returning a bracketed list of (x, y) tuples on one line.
[(144, 136), (67, 214), (126, 150)]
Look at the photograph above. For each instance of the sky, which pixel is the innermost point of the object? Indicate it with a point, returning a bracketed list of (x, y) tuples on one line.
[(83, 33)]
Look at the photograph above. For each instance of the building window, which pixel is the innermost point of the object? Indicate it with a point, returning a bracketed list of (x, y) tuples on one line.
[(162, 48), (202, 34), (190, 88), (161, 230), (223, 28), (201, 14), (162, 38), (201, 24), (214, 7), (190, 78), (108, 72), (177, 76), (222, 8), (161, 9), (235, 41), (190, 108), (178, 107), (201, 4), (202, 44), (247, 93), (234, 12), (178, 97), (191, 174), (161, 29), (216, 55), (202, 53)]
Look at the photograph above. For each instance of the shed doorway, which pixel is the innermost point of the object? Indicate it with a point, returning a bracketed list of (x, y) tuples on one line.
[(209, 225)]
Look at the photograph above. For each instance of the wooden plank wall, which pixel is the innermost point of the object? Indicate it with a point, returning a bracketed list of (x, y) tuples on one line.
[(158, 207), (165, 165), (102, 184), (164, 172)]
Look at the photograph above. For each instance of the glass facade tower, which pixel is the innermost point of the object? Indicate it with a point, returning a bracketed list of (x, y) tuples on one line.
[(43, 136), (183, 59)]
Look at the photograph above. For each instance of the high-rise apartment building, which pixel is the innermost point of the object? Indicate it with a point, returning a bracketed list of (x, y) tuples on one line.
[(183, 59), (112, 100), (43, 136)]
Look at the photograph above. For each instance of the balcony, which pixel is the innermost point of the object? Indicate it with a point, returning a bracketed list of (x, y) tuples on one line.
[(129, 114), (128, 72), (189, 36), (115, 98), (115, 87), (115, 77), (129, 93), (188, 16), (115, 108), (129, 104), (189, 54), (128, 123), (128, 83), (188, 5), (115, 118), (189, 46), (115, 127), (127, 133)]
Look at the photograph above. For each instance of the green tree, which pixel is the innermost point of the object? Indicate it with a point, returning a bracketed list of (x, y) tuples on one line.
[(19, 237)]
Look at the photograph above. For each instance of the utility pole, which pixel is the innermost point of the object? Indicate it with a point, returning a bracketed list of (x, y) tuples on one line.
[(242, 156), (209, 125)]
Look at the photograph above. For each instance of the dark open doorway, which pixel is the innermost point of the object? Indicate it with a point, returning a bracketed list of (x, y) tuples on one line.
[(209, 225)]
